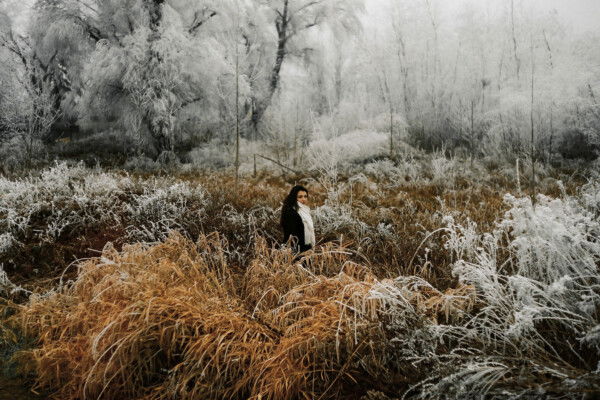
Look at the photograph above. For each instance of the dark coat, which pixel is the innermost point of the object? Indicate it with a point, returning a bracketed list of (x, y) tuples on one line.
[(292, 225)]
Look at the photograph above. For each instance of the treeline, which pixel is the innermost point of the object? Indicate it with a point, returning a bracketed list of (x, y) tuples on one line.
[(163, 78)]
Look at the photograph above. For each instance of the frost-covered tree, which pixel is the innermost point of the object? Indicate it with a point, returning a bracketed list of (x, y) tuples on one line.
[(150, 59), (292, 19), (28, 97), (135, 65)]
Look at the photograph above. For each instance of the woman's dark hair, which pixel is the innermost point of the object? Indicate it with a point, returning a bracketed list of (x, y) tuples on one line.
[(291, 201)]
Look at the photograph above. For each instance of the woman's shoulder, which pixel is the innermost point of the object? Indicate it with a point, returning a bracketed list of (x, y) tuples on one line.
[(289, 212)]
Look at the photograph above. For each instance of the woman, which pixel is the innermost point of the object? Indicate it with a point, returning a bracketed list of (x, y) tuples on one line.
[(296, 220)]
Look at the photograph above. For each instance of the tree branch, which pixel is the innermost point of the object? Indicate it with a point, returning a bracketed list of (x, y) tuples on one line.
[(278, 163), (86, 5), (197, 23), (308, 5), (191, 101)]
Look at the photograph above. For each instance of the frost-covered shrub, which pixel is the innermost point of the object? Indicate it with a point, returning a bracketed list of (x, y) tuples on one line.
[(7, 242), (461, 241), (554, 238), (443, 170), (516, 308), (163, 207), (401, 172), (61, 198), (168, 159), (590, 197), (362, 180), (342, 222), (21, 151), (141, 164), (242, 226), (66, 201), (350, 147), (330, 221), (538, 295), (211, 156)]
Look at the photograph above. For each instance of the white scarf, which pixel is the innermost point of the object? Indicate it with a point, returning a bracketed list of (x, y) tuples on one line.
[(307, 221)]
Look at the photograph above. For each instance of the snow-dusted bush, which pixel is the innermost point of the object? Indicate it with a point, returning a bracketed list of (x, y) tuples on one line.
[(461, 240), (14, 156), (141, 164), (537, 304), (69, 200), (590, 197), (7, 242), (241, 226), (554, 238), (60, 198), (350, 147), (396, 174), (443, 170), (163, 207), (333, 220), (211, 156)]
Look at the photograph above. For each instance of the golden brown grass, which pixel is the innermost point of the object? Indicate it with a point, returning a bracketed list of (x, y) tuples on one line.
[(173, 321)]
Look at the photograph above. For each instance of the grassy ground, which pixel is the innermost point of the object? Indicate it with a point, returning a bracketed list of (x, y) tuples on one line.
[(16, 389), (230, 315), (413, 209)]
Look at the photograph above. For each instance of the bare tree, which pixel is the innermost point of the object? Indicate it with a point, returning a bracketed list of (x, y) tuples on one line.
[(291, 19), (29, 114)]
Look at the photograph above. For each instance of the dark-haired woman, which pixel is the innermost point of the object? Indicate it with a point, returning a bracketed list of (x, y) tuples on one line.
[(296, 220)]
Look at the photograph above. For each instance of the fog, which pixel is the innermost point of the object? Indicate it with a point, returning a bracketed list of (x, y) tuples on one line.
[(578, 16), (491, 78)]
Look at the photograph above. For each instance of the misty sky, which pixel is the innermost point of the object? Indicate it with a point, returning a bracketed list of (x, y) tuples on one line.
[(580, 15), (583, 14)]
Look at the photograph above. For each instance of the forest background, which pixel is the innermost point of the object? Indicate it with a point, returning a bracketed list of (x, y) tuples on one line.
[(138, 81)]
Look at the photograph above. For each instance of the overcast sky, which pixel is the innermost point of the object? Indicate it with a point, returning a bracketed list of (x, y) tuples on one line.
[(580, 15), (583, 14)]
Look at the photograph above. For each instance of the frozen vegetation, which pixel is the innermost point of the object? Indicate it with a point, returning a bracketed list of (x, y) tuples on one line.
[(451, 153), (401, 307)]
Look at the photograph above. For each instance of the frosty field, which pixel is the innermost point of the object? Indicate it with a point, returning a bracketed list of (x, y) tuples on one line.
[(420, 287), (451, 151)]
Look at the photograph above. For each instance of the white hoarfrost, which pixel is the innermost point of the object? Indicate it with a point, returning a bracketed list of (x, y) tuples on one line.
[(68, 199)]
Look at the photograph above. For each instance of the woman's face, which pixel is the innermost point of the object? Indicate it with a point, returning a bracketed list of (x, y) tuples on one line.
[(302, 197)]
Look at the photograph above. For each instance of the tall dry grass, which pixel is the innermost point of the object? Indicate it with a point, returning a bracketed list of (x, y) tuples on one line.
[(174, 321)]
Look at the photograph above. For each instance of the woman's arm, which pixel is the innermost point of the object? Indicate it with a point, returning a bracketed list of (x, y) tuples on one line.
[(292, 226)]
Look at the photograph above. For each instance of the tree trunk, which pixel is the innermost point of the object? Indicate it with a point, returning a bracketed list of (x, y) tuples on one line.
[(514, 38), (260, 106), (533, 185), (404, 72), (159, 127), (338, 79), (472, 130)]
